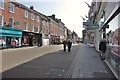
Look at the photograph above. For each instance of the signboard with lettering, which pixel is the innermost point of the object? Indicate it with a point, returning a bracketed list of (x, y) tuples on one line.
[(93, 26), (5, 31)]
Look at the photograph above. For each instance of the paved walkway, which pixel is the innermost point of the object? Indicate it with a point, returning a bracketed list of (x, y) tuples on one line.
[(16, 56), (87, 64)]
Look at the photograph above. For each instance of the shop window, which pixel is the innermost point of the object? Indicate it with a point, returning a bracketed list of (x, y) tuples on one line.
[(25, 26), (11, 22), (26, 14), (2, 4), (1, 20), (11, 8), (114, 41)]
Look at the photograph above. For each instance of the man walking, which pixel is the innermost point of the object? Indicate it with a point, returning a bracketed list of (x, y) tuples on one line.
[(69, 45), (64, 44)]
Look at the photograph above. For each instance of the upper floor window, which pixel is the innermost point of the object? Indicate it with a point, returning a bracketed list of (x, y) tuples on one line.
[(11, 22), (44, 22), (1, 20), (25, 26), (37, 18), (32, 26), (11, 8), (47, 23), (26, 14), (32, 16), (2, 4), (37, 29)]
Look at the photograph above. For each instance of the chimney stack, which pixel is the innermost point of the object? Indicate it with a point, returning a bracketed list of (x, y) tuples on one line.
[(53, 16), (31, 7)]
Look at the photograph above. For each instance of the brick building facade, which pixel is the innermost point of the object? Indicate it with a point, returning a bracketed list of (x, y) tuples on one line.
[(34, 27)]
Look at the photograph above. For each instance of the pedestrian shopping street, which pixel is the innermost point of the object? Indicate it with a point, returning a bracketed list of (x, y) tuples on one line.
[(60, 39), (82, 62)]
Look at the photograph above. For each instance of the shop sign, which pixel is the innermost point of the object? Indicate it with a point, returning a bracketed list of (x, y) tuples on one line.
[(92, 27), (86, 24), (10, 32), (17, 22)]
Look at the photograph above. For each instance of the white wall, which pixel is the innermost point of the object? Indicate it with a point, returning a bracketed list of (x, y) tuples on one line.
[(97, 39), (45, 42)]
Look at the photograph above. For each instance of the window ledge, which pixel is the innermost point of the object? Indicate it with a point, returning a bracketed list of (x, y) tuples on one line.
[(2, 8), (11, 12), (26, 17)]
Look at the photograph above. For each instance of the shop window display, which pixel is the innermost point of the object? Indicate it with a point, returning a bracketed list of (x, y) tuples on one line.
[(113, 36)]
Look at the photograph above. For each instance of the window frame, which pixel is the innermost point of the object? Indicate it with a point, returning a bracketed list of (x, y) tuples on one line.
[(37, 18), (11, 5), (37, 26), (32, 16), (2, 19), (2, 5), (26, 13), (26, 27), (32, 25), (12, 23)]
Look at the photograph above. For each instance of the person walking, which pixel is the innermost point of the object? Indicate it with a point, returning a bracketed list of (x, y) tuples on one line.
[(102, 48), (64, 44), (69, 45)]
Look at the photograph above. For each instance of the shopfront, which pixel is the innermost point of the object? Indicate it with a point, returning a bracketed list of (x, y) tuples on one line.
[(10, 37), (111, 31), (25, 38), (113, 37), (31, 39)]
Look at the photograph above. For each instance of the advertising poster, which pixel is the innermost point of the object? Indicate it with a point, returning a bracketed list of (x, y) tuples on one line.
[(116, 41)]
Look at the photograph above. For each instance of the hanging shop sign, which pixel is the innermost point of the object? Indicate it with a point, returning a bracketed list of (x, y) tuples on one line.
[(86, 24), (93, 26)]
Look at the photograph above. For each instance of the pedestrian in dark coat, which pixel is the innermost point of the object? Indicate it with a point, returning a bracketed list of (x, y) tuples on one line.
[(64, 44), (102, 48), (69, 46)]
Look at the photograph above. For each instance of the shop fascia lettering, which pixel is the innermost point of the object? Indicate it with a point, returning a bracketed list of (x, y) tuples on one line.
[(10, 32)]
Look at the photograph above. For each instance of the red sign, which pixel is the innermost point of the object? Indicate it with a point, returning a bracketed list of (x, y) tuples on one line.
[(25, 39), (13, 43), (116, 40)]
